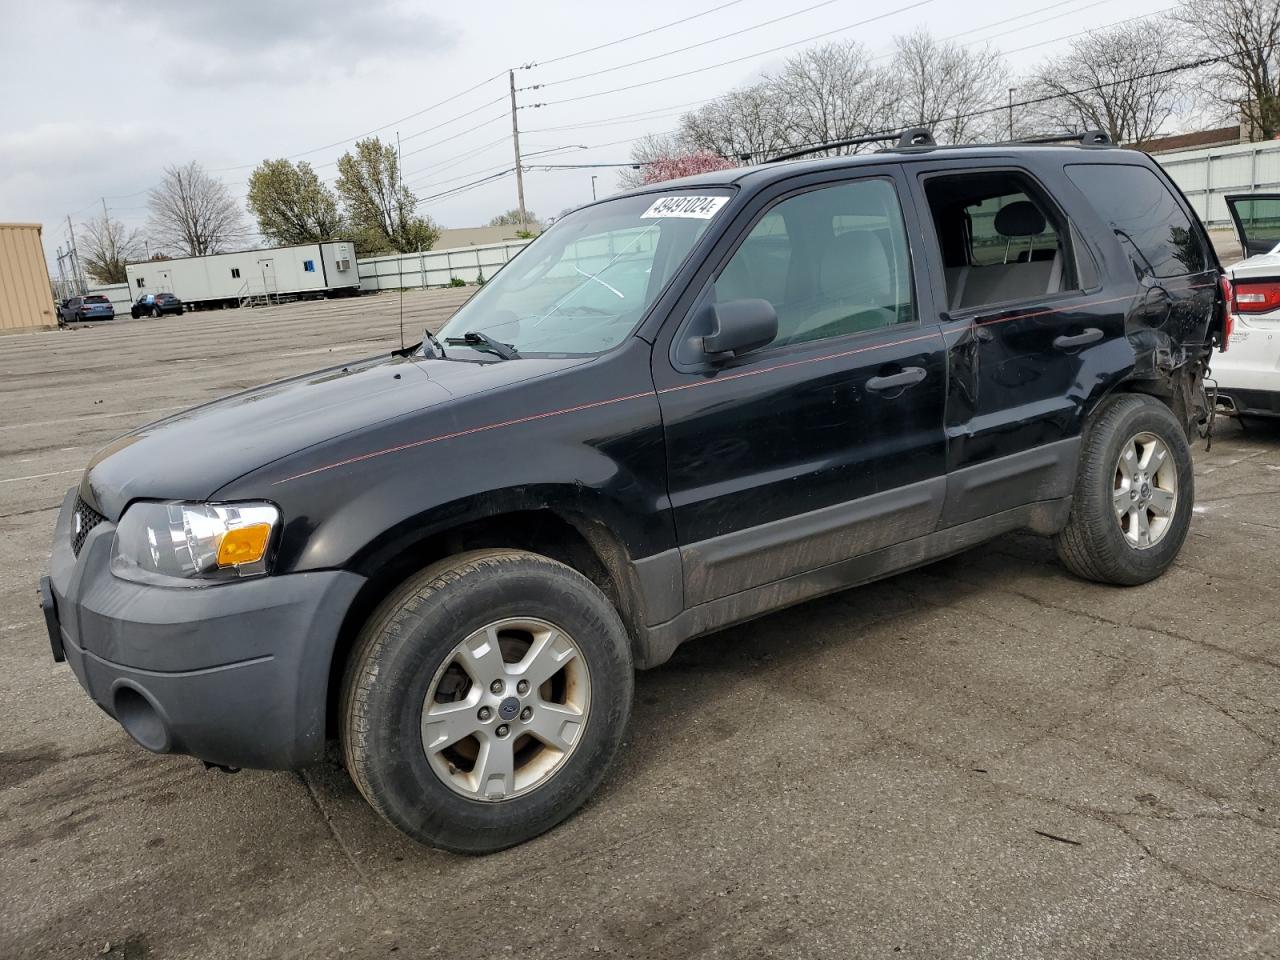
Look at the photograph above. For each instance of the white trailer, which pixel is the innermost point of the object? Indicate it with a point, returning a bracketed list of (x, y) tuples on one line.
[(251, 277)]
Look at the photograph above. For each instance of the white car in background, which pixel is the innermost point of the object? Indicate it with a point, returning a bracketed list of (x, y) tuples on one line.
[(1248, 373)]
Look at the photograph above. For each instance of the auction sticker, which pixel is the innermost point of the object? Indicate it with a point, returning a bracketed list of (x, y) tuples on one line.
[(685, 205)]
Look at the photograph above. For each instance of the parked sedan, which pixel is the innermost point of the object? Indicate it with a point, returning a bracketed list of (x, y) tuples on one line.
[(156, 304), (1248, 374), (92, 307)]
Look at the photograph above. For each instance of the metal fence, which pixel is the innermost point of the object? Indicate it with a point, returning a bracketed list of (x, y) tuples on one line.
[(1207, 176), (436, 268)]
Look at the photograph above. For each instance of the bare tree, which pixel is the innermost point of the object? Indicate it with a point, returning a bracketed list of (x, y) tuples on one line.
[(1111, 81), (106, 246), (830, 92), (749, 122), (953, 90), (1244, 36), (191, 212)]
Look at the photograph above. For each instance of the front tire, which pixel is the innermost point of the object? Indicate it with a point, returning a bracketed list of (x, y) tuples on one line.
[(1133, 496), (485, 699)]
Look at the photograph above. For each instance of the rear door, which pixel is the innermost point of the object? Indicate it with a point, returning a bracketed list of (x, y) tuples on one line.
[(826, 444), (1257, 220), (1031, 329)]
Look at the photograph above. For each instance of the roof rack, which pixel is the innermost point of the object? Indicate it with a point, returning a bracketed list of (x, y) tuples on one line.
[(1090, 138), (922, 137), (910, 137)]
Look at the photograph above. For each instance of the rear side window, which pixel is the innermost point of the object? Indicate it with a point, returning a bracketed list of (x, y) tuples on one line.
[(1145, 216), (1001, 241)]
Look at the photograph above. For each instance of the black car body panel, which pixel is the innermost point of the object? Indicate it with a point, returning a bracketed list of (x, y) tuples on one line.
[(708, 492)]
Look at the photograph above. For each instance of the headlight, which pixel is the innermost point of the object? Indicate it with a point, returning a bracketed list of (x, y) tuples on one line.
[(164, 542)]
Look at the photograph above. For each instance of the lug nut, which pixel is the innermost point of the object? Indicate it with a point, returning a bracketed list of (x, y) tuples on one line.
[(522, 687), (526, 713), (496, 686), (502, 730), (485, 713)]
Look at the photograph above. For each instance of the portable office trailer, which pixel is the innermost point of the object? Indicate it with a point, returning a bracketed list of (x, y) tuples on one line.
[(26, 296), (251, 276)]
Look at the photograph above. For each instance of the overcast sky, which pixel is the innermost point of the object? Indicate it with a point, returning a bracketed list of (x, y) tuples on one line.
[(100, 95)]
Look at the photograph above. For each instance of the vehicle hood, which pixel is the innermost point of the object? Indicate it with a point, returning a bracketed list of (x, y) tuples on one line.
[(189, 455)]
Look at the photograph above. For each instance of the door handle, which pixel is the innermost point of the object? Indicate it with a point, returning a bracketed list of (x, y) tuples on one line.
[(1091, 335), (909, 377)]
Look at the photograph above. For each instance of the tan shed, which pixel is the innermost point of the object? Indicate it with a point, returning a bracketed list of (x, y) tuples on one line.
[(26, 298)]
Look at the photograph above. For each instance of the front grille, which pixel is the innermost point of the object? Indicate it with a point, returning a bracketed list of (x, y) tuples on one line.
[(83, 520)]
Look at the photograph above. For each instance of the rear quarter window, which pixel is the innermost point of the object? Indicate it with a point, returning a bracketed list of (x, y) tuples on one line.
[(1145, 216)]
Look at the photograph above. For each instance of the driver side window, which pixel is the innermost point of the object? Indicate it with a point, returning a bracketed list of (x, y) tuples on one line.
[(832, 261)]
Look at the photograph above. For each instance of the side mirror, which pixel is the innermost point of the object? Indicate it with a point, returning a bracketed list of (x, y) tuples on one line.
[(737, 327)]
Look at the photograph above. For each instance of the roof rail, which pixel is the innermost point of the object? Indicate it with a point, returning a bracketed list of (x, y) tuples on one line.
[(910, 137), (1090, 138)]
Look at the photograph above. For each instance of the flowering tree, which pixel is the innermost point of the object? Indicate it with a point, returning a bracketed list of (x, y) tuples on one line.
[(683, 165)]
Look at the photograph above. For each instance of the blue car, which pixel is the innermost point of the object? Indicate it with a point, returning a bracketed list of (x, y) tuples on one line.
[(92, 307)]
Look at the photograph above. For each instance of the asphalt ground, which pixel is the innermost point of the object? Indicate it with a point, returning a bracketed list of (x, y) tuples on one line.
[(982, 758)]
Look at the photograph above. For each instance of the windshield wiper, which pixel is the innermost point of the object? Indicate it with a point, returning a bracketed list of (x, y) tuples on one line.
[(478, 339)]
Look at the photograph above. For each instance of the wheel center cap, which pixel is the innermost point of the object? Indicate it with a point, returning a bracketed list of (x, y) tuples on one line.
[(1146, 491), (508, 708)]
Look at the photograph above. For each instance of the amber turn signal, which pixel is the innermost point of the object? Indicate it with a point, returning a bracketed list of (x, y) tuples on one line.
[(244, 544)]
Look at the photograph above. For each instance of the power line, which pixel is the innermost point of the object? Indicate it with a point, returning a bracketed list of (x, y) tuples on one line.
[(625, 117), (828, 33), (642, 33), (416, 113), (1107, 26), (750, 56), (692, 46)]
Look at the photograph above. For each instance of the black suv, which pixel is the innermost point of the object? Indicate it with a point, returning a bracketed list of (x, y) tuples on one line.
[(155, 305), (677, 409)]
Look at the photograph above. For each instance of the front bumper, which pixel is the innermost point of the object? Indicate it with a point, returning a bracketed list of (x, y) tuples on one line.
[(233, 673)]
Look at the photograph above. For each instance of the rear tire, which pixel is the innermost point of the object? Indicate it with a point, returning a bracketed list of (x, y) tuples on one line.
[(421, 654), (1133, 496)]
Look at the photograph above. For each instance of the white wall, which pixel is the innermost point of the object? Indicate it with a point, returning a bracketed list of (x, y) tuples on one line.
[(1206, 176), (434, 268)]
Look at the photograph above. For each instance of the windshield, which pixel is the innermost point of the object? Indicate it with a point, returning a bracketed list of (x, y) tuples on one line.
[(96, 300), (584, 285)]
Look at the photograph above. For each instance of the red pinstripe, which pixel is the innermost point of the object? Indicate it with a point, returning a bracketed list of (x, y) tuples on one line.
[(727, 378)]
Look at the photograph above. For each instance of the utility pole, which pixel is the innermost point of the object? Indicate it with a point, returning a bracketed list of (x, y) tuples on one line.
[(1011, 89), (399, 161), (75, 259), (515, 141)]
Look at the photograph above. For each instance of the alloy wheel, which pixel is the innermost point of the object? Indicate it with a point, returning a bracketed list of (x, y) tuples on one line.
[(1145, 490), (506, 709)]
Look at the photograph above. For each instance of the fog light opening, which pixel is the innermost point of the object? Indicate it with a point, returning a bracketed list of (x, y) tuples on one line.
[(141, 720)]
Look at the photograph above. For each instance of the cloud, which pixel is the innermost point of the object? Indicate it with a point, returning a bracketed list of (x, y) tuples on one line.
[(276, 42)]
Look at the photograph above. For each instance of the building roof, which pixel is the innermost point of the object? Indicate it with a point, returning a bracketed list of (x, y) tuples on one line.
[(1216, 137)]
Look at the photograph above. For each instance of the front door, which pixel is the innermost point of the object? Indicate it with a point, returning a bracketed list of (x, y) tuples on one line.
[(827, 443)]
